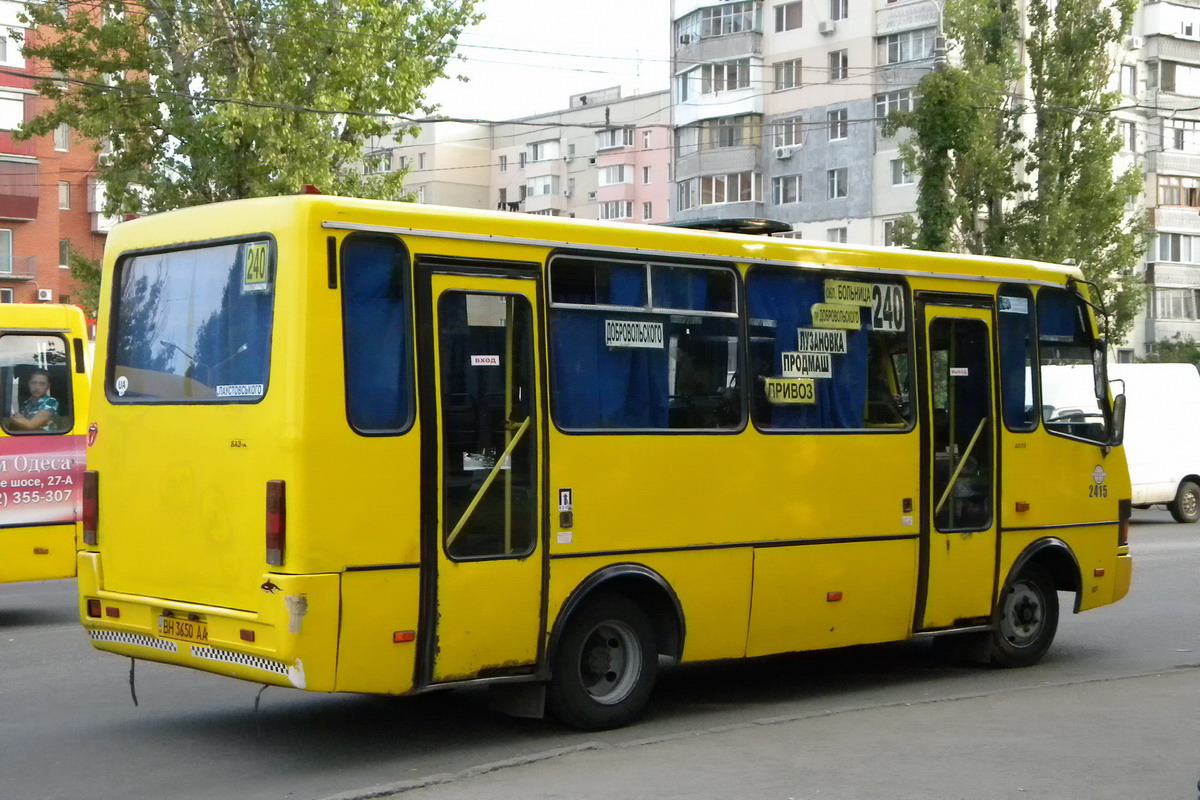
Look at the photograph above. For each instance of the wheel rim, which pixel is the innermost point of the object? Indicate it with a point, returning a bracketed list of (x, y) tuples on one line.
[(1024, 614), (1190, 503), (610, 662)]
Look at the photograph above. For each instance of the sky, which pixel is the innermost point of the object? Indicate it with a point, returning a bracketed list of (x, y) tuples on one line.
[(530, 56)]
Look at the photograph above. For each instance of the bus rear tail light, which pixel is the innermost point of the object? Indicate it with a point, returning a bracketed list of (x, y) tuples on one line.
[(93, 607), (91, 506), (276, 523), (1124, 512)]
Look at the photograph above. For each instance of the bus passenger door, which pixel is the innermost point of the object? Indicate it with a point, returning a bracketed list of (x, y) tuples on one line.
[(959, 525), (482, 555)]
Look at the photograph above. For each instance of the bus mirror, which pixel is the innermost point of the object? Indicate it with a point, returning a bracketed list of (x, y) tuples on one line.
[(1117, 431)]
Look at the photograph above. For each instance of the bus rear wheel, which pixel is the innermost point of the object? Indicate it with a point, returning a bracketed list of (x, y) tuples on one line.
[(604, 666), (1026, 619), (1186, 505)]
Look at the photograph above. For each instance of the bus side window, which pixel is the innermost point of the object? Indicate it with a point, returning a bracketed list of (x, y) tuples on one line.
[(818, 365), (377, 340), (640, 346), (35, 385), (1018, 379)]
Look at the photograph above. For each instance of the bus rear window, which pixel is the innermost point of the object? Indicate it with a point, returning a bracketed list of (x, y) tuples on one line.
[(193, 326)]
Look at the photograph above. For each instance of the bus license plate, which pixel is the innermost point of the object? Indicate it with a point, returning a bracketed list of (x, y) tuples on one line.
[(185, 630)]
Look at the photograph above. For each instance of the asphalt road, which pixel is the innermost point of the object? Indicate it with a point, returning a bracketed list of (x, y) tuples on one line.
[(1111, 712)]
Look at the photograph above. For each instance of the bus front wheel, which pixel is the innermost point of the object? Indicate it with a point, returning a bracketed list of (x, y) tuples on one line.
[(1186, 505), (1026, 619), (604, 666)]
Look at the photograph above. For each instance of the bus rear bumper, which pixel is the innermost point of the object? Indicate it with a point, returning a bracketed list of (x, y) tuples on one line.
[(1123, 577), (263, 646)]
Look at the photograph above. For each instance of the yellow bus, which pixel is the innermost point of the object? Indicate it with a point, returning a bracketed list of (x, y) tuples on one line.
[(362, 446), (43, 399)]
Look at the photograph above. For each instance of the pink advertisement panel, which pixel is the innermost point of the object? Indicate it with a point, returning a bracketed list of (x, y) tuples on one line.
[(41, 479)]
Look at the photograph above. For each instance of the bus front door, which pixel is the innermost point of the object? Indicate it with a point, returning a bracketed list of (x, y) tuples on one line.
[(959, 526), (482, 552)]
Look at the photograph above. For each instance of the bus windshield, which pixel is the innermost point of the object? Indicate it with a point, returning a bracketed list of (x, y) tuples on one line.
[(193, 325)]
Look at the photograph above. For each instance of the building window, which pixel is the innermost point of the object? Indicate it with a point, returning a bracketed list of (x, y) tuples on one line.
[(64, 253), (1175, 303), (1175, 190), (838, 183), (1178, 78), (1129, 79), (890, 229), (785, 189), (839, 9), (645, 176), (1182, 134), (62, 138), (647, 211), (1182, 248), (420, 161), (788, 16), (12, 110), (617, 173), (721, 20), (736, 131), (542, 151), (6, 295), (734, 187), (839, 125), (616, 209), (504, 163), (907, 46), (521, 160), (890, 103), (6, 251), (788, 74), (725, 76), (614, 137), (541, 186), (836, 235), (900, 174), (839, 65), (1129, 136), (789, 132), (64, 195)]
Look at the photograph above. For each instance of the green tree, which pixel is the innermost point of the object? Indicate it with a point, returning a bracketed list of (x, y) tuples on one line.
[(1031, 182), (208, 100), (86, 272)]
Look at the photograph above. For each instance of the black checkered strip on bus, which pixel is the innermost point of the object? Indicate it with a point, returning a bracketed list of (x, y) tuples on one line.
[(138, 639), (230, 657)]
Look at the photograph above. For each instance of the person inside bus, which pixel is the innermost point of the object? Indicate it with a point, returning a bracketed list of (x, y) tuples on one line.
[(39, 409)]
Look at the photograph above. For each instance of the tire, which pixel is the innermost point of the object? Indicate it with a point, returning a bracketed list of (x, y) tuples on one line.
[(1186, 505), (1026, 619), (604, 666)]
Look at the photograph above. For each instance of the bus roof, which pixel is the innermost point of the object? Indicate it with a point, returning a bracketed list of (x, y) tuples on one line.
[(239, 217), (41, 316)]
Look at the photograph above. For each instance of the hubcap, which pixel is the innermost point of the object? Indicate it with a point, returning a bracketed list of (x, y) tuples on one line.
[(611, 662), (1024, 612), (1190, 503)]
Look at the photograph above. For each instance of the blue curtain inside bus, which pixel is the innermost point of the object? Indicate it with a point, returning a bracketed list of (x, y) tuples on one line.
[(378, 360), (786, 298), (1017, 394)]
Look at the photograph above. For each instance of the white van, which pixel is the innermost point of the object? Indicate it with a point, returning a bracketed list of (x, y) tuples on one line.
[(1162, 435)]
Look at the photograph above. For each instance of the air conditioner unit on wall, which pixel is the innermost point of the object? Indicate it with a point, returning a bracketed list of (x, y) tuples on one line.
[(45, 295), (1134, 42), (784, 152), (826, 27)]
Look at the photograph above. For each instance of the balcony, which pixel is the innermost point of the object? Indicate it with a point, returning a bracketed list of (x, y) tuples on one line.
[(19, 189), (17, 268)]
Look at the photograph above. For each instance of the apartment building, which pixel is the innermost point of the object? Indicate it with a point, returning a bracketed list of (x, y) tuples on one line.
[(49, 199), (777, 107), (603, 157)]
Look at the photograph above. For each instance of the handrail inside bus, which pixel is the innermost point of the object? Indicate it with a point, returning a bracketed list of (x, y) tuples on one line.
[(470, 509), (959, 467)]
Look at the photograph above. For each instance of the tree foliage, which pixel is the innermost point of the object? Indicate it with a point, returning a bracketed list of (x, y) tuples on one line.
[(209, 100), (1020, 157), (1176, 350)]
